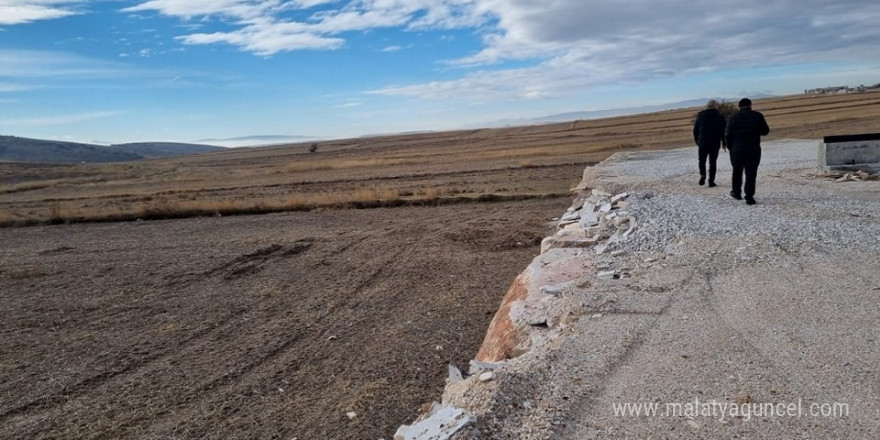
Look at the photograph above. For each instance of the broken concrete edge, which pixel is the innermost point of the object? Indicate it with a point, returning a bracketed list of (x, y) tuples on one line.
[(441, 423), (595, 220)]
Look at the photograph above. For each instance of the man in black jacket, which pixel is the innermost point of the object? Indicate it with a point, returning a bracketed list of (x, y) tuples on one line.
[(743, 138), (708, 135)]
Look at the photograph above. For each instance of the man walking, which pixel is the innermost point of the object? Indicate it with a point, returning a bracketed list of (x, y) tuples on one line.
[(743, 138), (708, 135)]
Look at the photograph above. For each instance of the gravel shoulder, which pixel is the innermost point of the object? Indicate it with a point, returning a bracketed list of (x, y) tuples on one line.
[(722, 305)]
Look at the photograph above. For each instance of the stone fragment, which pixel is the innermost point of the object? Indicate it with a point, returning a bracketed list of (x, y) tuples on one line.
[(618, 253), (600, 193), (551, 290), (605, 207), (454, 374), (547, 244), (571, 216), (589, 218), (606, 274), (632, 227), (351, 414), (600, 249), (565, 223), (487, 376), (619, 197), (441, 425)]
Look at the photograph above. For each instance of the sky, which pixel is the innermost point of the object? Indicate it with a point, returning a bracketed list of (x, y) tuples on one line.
[(190, 70)]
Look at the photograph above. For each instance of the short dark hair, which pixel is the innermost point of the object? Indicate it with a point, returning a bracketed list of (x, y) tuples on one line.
[(745, 102)]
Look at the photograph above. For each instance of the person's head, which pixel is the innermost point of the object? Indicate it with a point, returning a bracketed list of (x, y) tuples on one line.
[(712, 104), (745, 103)]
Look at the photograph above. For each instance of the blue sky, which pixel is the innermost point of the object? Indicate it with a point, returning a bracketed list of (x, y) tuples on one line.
[(186, 70)]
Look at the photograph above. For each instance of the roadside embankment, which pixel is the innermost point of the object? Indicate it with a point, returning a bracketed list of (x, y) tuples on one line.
[(664, 309)]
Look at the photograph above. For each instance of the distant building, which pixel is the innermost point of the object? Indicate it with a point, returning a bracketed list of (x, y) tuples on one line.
[(841, 89)]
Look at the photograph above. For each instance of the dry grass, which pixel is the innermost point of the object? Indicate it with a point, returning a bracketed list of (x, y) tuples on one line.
[(166, 208), (28, 186), (386, 170), (347, 164)]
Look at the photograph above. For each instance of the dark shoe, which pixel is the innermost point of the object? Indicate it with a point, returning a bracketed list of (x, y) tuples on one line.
[(750, 201), (712, 185), (735, 195), (702, 181)]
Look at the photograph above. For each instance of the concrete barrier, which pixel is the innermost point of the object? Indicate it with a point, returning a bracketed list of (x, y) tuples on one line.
[(850, 153)]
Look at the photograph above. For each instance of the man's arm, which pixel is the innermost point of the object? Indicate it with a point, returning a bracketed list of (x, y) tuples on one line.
[(765, 129), (697, 130), (726, 137)]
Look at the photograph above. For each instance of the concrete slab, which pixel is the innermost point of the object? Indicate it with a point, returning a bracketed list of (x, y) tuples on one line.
[(850, 153)]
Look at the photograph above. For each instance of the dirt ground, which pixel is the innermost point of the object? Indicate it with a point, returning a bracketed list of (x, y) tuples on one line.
[(271, 326)]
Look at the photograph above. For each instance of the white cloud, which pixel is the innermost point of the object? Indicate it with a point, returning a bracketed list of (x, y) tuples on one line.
[(33, 69), (28, 64), (60, 119), (263, 30), (572, 45), (26, 11), (565, 44), (6, 88), (392, 49)]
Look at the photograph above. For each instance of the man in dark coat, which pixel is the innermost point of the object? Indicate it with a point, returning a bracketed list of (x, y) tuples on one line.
[(743, 138), (709, 137)]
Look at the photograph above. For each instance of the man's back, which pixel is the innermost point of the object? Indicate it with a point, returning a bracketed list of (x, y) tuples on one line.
[(708, 128), (744, 130)]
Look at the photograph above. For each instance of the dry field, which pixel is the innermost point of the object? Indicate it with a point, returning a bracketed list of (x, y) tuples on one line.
[(433, 168), (277, 325)]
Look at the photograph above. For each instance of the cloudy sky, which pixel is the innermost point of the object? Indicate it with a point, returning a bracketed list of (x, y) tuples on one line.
[(184, 70)]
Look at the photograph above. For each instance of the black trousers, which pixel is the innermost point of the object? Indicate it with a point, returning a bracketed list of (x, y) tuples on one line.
[(710, 153), (745, 162)]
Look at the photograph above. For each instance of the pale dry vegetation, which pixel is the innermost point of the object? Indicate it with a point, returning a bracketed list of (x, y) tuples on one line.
[(442, 167)]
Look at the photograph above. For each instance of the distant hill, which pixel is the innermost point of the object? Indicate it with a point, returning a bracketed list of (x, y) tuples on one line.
[(18, 149), (164, 149), (598, 114)]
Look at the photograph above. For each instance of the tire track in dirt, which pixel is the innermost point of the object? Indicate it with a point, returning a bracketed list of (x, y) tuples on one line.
[(211, 394), (389, 283), (240, 267)]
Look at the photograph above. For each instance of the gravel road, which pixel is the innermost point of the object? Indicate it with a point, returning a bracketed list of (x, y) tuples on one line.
[(734, 321)]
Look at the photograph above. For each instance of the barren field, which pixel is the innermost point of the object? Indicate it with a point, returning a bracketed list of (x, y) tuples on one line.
[(270, 326), (277, 325), (506, 163)]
